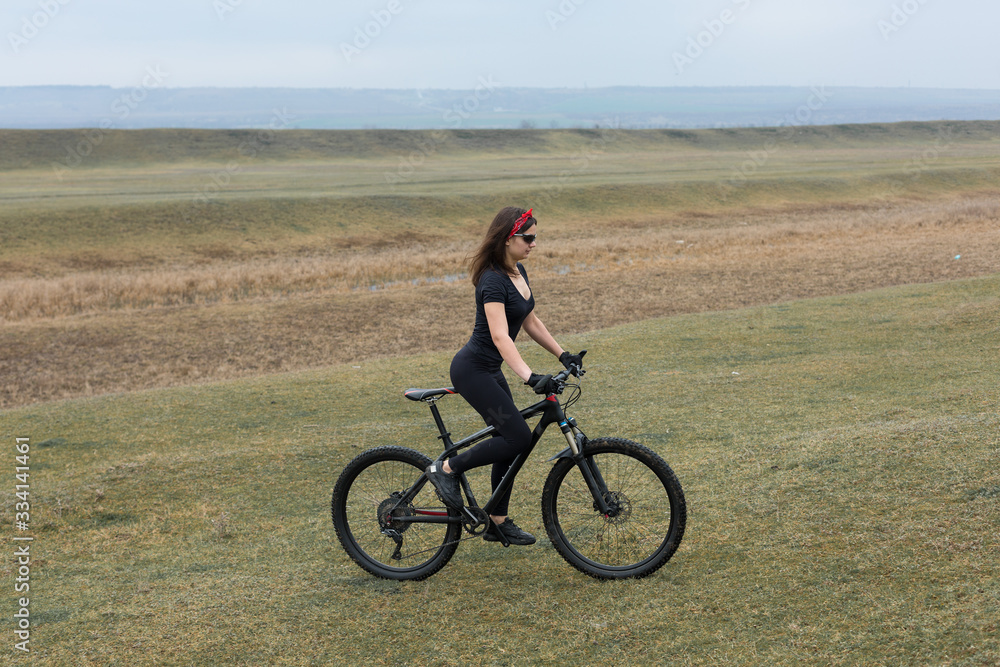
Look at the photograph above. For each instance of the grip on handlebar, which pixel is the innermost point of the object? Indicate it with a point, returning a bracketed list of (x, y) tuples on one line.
[(562, 375)]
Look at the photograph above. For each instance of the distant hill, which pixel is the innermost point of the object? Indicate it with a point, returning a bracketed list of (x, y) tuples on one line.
[(27, 149), (488, 106)]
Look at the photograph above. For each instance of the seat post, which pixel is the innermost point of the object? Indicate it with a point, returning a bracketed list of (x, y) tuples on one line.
[(445, 435)]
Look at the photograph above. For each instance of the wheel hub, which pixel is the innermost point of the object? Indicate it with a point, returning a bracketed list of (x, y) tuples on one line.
[(390, 509), (619, 508)]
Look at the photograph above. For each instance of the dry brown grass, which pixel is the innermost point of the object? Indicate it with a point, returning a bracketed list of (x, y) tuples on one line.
[(220, 281), (226, 316), (219, 276)]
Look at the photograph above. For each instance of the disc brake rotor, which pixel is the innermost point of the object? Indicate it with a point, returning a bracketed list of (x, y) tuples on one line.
[(621, 508)]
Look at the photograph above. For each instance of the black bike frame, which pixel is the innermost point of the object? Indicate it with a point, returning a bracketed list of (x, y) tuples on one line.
[(551, 412)]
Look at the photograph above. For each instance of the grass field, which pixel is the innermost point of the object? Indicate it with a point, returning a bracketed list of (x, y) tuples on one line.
[(132, 260), (839, 457), (199, 329)]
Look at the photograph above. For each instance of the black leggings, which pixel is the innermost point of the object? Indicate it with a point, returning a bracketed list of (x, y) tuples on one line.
[(487, 391)]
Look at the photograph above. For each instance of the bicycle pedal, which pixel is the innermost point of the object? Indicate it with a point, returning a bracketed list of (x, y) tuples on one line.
[(501, 538)]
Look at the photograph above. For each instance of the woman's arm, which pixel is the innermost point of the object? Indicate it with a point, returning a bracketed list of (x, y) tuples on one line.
[(496, 316), (534, 328)]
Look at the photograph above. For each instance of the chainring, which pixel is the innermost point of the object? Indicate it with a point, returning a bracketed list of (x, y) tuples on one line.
[(482, 520)]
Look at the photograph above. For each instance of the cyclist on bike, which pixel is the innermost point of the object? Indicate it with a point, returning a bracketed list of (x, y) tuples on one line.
[(504, 306)]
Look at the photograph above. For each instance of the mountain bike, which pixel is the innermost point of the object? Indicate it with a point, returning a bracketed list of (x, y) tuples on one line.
[(611, 507)]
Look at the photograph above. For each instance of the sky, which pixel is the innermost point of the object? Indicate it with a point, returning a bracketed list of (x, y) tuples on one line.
[(428, 44)]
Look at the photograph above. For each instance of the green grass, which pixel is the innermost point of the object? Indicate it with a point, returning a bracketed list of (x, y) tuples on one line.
[(839, 456), (158, 196), (28, 149)]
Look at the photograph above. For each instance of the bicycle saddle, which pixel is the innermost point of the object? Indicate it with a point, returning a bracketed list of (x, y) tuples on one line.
[(424, 394)]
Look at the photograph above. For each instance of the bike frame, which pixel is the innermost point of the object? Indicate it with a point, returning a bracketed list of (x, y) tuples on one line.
[(551, 412)]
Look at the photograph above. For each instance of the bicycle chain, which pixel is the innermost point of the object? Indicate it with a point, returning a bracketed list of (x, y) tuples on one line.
[(465, 524), (443, 544)]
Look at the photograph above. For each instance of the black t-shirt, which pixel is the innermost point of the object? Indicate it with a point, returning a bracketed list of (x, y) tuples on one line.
[(495, 286)]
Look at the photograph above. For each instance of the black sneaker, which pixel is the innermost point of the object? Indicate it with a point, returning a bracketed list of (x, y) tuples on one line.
[(448, 488), (510, 530)]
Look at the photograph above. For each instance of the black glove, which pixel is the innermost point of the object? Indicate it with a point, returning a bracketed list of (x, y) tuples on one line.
[(542, 384), (568, 359)]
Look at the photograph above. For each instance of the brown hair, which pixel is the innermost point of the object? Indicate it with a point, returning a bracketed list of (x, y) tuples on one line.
[(492, 252)]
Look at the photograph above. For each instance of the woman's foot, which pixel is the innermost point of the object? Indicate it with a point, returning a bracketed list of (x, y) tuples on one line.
[(447, 485), (511, 531)]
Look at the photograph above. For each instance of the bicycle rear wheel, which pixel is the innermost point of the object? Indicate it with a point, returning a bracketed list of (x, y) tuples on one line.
[(366, 512), (647, 522)]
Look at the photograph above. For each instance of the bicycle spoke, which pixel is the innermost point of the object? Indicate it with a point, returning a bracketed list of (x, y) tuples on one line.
[(643, 527), (628, 538), (369, 513), (384, 480)]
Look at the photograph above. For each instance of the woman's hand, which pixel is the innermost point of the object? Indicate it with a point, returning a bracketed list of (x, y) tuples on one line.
[(542, 384), (569, 360)]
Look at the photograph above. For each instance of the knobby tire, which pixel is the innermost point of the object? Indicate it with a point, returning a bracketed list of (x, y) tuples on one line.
[(368, 482), (644, 534)]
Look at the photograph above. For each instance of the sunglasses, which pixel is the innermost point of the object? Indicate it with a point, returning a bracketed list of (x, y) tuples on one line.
[(528, 238)]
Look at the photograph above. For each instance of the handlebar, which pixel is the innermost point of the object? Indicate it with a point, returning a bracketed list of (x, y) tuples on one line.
[(578, 371), (562, 376)]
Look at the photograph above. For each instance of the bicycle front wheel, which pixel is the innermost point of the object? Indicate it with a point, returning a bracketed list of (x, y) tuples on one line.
[(646, 523), (372, 524)]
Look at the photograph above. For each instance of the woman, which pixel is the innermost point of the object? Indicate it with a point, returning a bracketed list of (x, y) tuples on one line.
[(504, 305)]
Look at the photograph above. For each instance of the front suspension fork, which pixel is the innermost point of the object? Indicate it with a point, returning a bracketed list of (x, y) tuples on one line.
[(591, 475)]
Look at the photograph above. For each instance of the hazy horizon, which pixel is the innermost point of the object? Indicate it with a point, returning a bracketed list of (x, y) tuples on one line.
[(433, 45), (489, 106)]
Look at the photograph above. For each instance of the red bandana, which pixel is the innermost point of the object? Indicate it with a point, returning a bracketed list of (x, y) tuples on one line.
[(520, 222)]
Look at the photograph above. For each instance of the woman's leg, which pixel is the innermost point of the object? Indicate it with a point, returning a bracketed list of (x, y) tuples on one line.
[(489, 394)]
